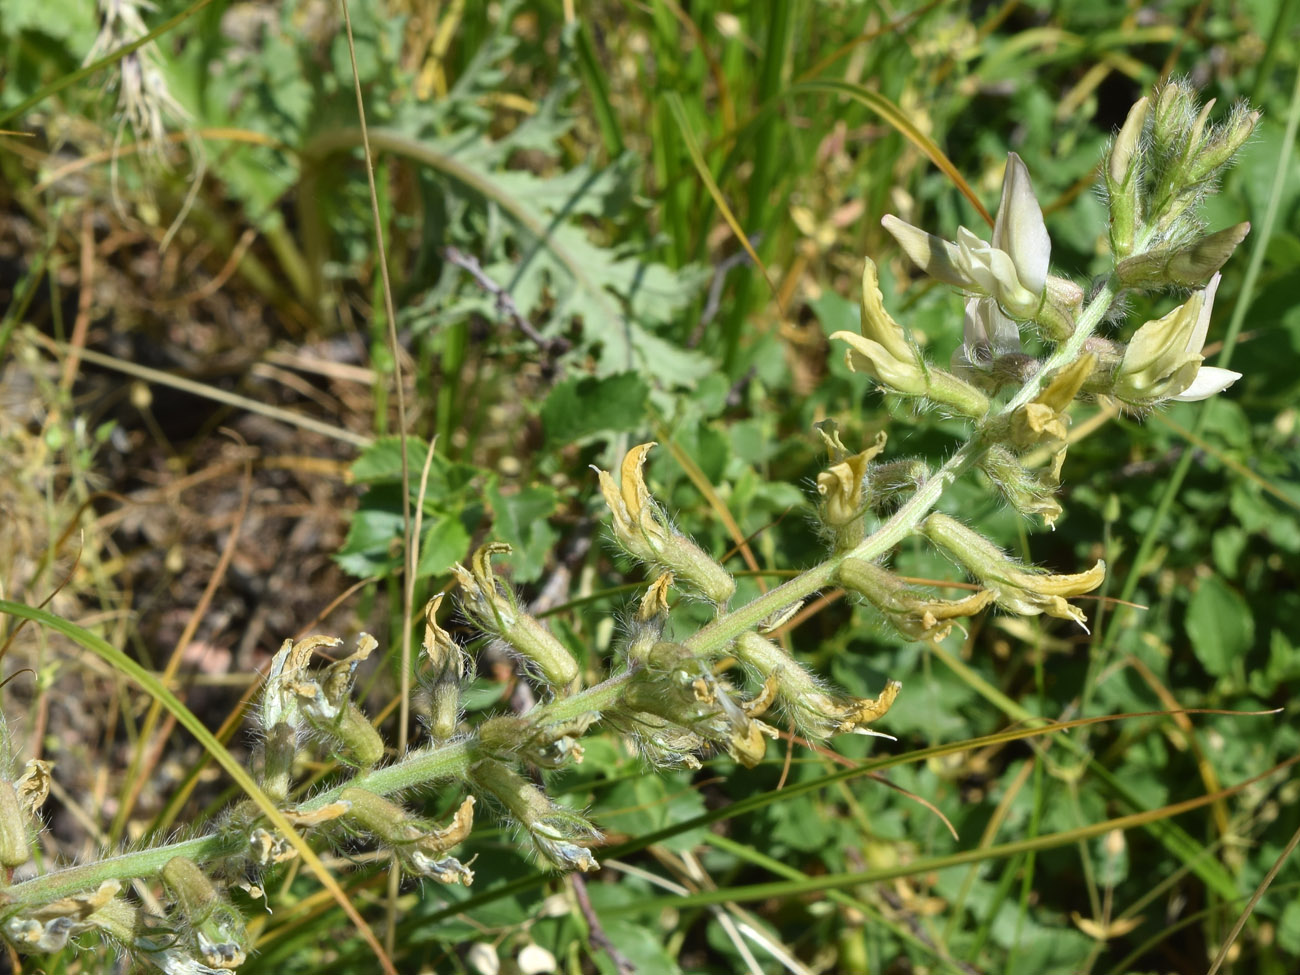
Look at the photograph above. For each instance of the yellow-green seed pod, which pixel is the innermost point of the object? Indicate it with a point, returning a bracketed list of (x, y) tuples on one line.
[(354, 730), (217, 927), (382, 817), (192, 888), (14, 848), (495, 609)]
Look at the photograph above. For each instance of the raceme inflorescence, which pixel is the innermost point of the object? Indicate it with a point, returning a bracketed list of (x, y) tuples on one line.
[(1033, 345)]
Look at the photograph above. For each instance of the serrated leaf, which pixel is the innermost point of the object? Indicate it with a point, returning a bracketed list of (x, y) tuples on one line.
[(382, 460), (580, 407), (552, 268)]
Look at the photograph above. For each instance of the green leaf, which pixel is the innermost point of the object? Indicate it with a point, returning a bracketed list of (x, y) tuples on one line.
[(1288, 928), (382, 460), (71, 21), (381, 463), (482, 694), (445, 541), (521, 521), (637, 940), (578, 408), (552, 268), (1219, 625), (369, 548), (1227, 544), (373, 544), (645, 803)]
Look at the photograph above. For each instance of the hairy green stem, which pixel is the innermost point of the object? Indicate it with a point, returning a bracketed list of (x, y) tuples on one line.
[(138, 863)]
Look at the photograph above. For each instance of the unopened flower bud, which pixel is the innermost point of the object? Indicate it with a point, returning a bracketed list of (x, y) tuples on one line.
[(646, 534), (1189, 266), (1122, 162), (1172, 114), (495, 609), (1187, 153), (1195, 135), (1218, 150)]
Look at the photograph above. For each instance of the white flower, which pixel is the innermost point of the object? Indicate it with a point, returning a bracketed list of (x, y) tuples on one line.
[(1163, 360), (1011, 268), (987, 334)]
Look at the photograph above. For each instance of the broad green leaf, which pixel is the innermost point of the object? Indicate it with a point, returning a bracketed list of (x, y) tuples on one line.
[(445, 542), (70, 21), (521, 520), (1288, 927), (580, 407), (1219, 625), (372, 546), (1227, 544), (645, 803)]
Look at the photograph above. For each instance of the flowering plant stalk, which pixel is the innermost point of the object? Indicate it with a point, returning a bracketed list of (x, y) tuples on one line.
[(666, 692)]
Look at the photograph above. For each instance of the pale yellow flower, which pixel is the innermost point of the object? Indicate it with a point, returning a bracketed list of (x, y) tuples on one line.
[(1163, 360)]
